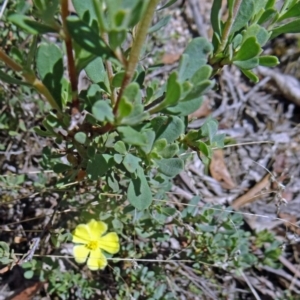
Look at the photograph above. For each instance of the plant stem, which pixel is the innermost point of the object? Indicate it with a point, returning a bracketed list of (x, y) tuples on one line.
[(110, 73), (136, 48), (30, 78), (228, 26), (71, 63), (9, 62)]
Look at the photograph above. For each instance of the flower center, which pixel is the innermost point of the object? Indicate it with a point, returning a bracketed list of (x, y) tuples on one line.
[(92, 245)]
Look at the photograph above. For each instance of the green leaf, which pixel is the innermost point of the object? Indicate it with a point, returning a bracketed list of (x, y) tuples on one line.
[(96, 72), (268, 15), (261, 34), (118, 158), (247, 64), (268, 61), (209, 129), (150, 136), (169, 3), (82, 7), (118, 79), (245, 13), (201, 74), (160, 24), (139, 193), (131, 162), (292, 27), (249, 49), (250, 75), (49, 62), (125, 108), (258, 5), (132, 92), (173, 93), (169, 128), (131, 136), (61, 168), (204, 149), (292, 12), (170, 167), (102, 111), (80, 137), (120, 147), (7, 78), (215, 17), (184, 108), (117, 37), (28, 274), (99, 165), (196, 55), (29, 25), (169, 151), (87, 38)]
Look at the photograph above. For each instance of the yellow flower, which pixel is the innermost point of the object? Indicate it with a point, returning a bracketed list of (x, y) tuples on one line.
[(92, 241)]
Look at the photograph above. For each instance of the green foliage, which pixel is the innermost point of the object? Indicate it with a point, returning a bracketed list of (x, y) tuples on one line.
[(127, 136)]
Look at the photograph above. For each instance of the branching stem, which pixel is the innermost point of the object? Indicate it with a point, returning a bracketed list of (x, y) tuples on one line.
[(30, 78), (228, 26), (71, 63), (136, 48)]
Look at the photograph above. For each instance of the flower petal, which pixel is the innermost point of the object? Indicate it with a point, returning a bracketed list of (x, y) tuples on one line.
[(110, 243), (80, 253), (97, 260), (81, 234), (96, 229)]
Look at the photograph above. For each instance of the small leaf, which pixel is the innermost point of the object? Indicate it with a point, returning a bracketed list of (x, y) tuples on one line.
[(250, 75), (170, 167), (169, 3), (245, 13), (82, 7), (292, 27), (61, 168), (120, 147), (118, 79), (201, 74), (99, 165), (49, 63), (80, 137), (268, 61), (102, 111), (139, 193), (247, 64), (131, 136), (125, 108), (291, 13), (215, 18), (28, 274), (131, 162), (118, 158), (196, 54), (116, 38), (30, 25), (96, 71), (160, 24), (7, 78), (169, 128), (87, 38), (268, 15), (249, 49)]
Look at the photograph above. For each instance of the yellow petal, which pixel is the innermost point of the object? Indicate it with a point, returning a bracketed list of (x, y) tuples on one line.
[(96, 229), (97, 260), (80, 253), (81, 234), (110, 243)]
